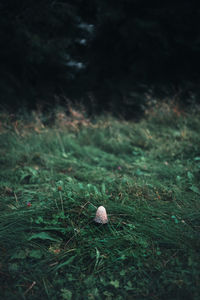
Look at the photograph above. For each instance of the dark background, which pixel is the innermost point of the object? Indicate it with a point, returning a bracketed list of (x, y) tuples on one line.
[(107, 55)]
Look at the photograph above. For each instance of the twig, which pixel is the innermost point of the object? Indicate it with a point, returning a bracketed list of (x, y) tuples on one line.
[(82, 207), (30, 287), (166, 262), (60, 142), (16, 199), (56, 204), (61, 200), (53, 264)]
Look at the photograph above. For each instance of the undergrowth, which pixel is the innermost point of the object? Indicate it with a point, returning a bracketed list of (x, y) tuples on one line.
[(53, 178)]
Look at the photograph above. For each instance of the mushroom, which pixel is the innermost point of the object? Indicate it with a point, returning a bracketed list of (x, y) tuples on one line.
[(101, 215)]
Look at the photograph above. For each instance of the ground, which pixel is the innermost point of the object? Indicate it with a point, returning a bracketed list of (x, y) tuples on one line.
[(55, 175)]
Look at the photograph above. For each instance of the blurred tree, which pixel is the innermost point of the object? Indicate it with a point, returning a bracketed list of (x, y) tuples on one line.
[(142, 44), (38, 45), (115, 49)]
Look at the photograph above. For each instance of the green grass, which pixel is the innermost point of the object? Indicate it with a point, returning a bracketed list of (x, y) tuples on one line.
[(146, 174)]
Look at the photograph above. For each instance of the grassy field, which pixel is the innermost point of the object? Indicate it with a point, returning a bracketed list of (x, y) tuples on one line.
[(54, 175)]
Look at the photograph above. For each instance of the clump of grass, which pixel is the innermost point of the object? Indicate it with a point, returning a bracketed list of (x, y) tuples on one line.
[(53, 179)]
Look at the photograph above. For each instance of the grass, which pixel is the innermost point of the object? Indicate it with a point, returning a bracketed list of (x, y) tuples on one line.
[(53, 178)]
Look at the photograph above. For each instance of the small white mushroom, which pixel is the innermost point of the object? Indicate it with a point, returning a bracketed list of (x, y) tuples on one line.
[(101, 215)]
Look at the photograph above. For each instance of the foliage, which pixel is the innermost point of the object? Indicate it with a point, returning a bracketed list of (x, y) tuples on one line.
[(54, 177)]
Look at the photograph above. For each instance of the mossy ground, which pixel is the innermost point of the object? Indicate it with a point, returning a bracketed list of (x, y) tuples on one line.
[(53, 178)]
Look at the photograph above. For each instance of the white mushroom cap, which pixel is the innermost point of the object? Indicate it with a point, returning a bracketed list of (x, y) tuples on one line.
[(101, 215)]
